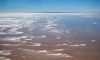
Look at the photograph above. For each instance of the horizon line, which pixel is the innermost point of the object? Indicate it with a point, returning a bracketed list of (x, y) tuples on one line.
[(49, 12)]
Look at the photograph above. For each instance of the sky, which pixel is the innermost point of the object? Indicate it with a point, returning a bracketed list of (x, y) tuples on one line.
[(49, 5)]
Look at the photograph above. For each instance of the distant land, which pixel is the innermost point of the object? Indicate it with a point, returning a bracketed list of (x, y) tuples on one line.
[(65, 12)]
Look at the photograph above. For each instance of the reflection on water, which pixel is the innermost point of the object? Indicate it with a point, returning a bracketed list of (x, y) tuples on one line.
[(50, 36)]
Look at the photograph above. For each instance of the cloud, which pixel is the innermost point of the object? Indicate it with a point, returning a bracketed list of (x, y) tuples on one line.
[(43, 36), (75, 45), (59, 50), (58, 37), (24, 36), (46, 53), (11, 39), (4, 58), (79, 45), (11, 26), (23, 42), (59, 55), (35, 44), (5, 52), (41, 21), (10, 44), (15, 14), (43, 51), (3, 33), (83, 44), (64, 44), (15, 32), (28, 39), (93, 40)]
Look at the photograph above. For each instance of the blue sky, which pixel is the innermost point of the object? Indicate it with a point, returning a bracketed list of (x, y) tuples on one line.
[(49, 5)]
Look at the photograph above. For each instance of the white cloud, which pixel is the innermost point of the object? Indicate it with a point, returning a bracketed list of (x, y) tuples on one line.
[(93, 40), (75, 45), (43, 51), (11, 39), (10, 44), (59, 50), (56, 31), (13, 26), (28, 39), (42, 36), (24, 37), (23, 42), (78, 45), (4, 58), (3, 33), (58, 37), (14, 14), (67, 31), (5, 52), (46, 53), (35, 44), (83, 44), (64, 44), (15, 32), (59, 55)]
